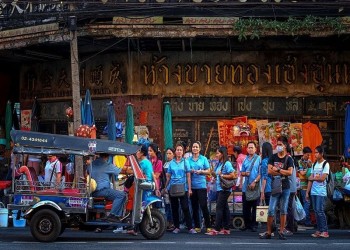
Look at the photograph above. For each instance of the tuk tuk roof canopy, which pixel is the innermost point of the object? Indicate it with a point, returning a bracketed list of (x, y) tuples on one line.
[(42, 143)]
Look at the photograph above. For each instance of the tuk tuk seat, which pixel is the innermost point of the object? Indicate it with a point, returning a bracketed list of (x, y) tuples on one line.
[(101, 202)]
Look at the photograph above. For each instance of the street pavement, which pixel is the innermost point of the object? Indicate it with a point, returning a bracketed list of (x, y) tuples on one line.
[(20, 238)]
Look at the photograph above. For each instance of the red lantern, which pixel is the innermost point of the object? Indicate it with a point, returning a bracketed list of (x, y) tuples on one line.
[(69, 112), (83, 131)]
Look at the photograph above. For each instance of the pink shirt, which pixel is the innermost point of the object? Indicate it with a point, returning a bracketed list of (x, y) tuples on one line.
[(157, 168), (240, 160)]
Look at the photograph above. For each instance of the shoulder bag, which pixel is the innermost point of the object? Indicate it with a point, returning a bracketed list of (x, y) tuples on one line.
[(276, 185), (225, 183), (178, 189), (252, 194)]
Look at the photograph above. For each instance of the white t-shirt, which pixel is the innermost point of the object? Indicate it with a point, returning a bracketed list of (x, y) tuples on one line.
[(319, 188), (55, 166)]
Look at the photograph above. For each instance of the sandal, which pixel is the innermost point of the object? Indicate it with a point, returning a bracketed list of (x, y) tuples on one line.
[(171, 228), (98, 230)]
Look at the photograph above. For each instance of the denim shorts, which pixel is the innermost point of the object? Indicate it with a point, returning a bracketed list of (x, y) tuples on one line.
[(281, 199)]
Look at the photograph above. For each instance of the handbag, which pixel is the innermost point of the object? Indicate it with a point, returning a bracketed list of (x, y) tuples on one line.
[(262, 212), (177, 190), (337, 195), (298, 211), (276, 185), (225, 183), (252, 194)]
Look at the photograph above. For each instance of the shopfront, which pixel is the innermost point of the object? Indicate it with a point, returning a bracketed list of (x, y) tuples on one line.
[(293, 86)]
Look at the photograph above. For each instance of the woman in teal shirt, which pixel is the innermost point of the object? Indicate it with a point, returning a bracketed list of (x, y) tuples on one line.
[(179, 172), (199, 169), (224, 170)]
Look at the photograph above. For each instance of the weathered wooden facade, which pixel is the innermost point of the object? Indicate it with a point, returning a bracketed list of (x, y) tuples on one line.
[(193, 60)]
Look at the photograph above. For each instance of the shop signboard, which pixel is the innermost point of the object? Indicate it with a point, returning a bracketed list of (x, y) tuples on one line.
[(325, 106), (267, 106), (200, 106)]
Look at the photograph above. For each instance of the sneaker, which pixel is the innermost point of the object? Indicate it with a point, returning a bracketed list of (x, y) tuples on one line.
[(224, 231), (316, 234), (192, 231), (287, 232), (198, 230), (272, 234), (324, 235), (265, 236), (176, 231), (170, 228), (212, 232), (208, 229)]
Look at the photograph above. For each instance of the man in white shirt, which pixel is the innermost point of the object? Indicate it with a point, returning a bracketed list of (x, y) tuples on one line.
[(318, 186)]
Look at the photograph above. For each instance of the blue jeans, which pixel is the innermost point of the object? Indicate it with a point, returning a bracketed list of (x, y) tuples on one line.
[(282, 199), (118, 198), (306, 206), (318, 203)]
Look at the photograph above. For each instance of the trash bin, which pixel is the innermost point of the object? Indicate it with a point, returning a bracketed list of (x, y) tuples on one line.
[(4, 214), (18, 222)]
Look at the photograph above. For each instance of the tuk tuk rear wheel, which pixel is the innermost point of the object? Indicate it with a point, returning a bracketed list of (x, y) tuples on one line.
[(155, 231), (45, 225)]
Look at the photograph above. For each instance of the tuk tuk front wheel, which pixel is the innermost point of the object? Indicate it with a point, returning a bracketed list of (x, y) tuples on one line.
[(155, 230), (45, 225)]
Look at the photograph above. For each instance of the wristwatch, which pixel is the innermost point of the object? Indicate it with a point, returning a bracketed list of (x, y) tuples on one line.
[(255, 181), (278, 170)]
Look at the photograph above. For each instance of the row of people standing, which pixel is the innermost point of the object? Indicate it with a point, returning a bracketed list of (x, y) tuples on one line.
[(192, 172), (278, 173)]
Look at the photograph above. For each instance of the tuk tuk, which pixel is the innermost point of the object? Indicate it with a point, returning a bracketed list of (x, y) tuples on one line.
[(49, 209)]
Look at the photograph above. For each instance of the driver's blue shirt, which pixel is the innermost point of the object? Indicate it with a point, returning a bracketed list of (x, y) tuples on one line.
[(101, 172)]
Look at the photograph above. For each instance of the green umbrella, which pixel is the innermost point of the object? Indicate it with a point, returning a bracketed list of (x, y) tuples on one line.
[(129, 124), (168, 126), (8, 123)]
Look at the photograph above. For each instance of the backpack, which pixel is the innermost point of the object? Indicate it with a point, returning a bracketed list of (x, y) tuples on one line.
[(330, 180)]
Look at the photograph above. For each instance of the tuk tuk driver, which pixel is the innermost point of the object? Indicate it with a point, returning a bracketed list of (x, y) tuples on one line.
[(101, 173)]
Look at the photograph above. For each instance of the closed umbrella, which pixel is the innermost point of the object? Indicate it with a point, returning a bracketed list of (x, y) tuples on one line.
[(111, 122), (347, 131), (35, 116), (129, 124), (8, 123), (89, 115), (168, 126)]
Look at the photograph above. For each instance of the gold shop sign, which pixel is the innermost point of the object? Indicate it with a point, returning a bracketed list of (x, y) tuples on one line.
[(288, 70)]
